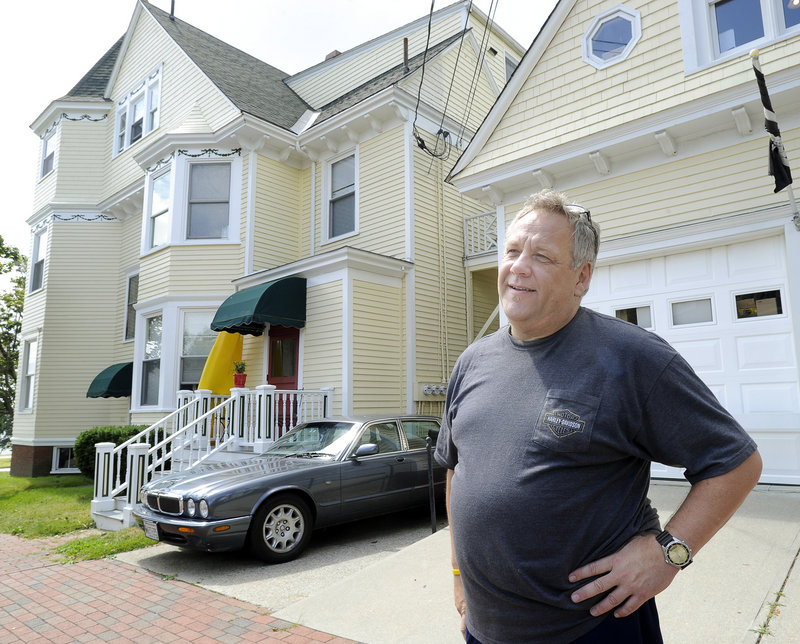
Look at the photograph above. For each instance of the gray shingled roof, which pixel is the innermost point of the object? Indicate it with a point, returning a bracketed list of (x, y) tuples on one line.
[(252, 85), (93, 84)]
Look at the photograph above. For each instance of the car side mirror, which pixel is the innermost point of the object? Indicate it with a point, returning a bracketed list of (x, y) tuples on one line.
[(368, 449)]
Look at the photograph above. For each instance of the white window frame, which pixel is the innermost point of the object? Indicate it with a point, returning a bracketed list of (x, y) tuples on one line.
[(171, 312), (27, 378), (159, 402), (692, 298), (699, 37), (47, 162), (637, 305), (147, 93), (180, 172), (758, 289), (130, 307), (181, 356), (191, 166), (55, 469), (625, 13), (38, 260), (147, 238), (327, 183)]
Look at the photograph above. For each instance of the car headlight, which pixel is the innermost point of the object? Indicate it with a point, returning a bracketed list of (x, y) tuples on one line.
[(203, 508), (190, 507)]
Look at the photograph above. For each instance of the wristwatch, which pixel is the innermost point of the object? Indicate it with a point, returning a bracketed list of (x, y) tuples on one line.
[(676, 552)]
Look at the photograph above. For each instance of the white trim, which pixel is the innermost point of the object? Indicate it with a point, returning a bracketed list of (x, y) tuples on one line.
[(326, 196), (347, 344), (249, 241), (620, 11), (411, 280)]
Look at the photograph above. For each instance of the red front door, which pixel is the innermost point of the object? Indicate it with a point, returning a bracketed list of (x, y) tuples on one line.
[(284, 343)]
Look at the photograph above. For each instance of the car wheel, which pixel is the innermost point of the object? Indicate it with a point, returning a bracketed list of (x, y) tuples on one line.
[(281, 529)]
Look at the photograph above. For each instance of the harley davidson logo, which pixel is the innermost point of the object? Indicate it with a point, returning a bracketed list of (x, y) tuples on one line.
[(563, 423)]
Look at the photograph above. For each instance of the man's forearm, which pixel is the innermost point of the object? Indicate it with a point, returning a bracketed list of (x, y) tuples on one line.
[(710, 503)]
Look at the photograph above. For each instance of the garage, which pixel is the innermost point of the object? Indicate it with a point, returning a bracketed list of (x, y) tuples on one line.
[(726, 309)]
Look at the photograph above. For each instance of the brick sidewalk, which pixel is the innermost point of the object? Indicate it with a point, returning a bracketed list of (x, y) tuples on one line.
[(42, 600)]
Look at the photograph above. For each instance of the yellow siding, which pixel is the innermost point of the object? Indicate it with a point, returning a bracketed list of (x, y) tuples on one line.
[(320, 87), (484, 299), (698, 188), (189, 269), (83, 157), (322, 340), (182, 85), (440, 285), (80, 320), (650, 81), (378, 348), (277, 214)]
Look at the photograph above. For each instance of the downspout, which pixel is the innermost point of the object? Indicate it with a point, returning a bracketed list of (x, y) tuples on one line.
[(410, 278)]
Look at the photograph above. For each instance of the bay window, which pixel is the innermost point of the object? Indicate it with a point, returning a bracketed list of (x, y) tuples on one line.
[(137, 112), (37, 260), (198, 338), (208, 210), (28, 374), (151, 365)]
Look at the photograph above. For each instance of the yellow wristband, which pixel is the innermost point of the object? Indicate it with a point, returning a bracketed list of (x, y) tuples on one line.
[(456, 572)]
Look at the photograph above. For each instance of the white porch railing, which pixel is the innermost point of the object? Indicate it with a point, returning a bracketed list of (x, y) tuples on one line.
[(202, 425), (480, 234)]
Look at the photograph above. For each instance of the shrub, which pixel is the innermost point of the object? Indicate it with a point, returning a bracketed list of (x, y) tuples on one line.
[(85, 442)]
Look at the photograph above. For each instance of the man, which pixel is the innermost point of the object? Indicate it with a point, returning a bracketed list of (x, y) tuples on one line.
[(550, 427)]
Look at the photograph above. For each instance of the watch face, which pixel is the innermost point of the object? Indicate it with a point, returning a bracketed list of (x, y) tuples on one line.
[(678, 554)]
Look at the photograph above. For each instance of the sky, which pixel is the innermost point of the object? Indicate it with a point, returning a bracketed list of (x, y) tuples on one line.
[(57, 42)]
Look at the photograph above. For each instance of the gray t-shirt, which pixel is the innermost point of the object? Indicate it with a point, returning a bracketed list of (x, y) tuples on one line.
[(551, 442)]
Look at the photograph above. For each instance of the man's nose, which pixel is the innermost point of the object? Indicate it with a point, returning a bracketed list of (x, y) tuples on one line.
[(521, 265)]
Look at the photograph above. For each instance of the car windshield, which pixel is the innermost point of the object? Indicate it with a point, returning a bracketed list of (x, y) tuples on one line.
[(315, 439)]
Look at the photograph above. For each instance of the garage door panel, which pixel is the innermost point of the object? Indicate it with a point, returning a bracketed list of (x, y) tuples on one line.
[(628, 277), (766, 351), (692, 268), (758, 258), (781, 455), (702, 355), (769, 397)]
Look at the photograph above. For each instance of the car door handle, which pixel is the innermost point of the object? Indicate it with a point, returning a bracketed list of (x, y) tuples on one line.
[(400, 459)]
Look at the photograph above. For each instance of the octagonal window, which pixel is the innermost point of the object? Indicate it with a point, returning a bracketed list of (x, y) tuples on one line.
[(611, 37)]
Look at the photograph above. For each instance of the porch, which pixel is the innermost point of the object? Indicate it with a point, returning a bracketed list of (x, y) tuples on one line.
[(203, 428)]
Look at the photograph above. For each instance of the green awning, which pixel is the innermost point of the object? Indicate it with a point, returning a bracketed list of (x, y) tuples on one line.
[(112, 382), (248, 311)]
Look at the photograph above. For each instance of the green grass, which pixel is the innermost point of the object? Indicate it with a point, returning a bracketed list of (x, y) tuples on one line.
[(5, 460), (51, 506)]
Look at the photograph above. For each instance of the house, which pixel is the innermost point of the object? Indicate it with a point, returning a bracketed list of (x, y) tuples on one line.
[(648, 114), (181, 174)]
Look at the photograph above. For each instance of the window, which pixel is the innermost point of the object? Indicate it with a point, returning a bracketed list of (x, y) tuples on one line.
[(611, 37), (713, 30), (209, 193), (158, 215), (49, 144), (198, 338), (64, 460), (417, 431), (28, 374), (639, 316), (753, 305), (130, 309), (692, 312), (138, 112), (342, 199), (37, 263), (384, 435), (151, 365)]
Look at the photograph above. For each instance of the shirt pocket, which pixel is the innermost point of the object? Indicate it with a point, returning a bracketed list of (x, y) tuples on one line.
[(566, 421)]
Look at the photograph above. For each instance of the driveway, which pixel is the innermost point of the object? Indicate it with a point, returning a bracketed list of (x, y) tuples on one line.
[(333, 555)]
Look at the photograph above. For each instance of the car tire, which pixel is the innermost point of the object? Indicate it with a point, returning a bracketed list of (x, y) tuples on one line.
[(281, 529)]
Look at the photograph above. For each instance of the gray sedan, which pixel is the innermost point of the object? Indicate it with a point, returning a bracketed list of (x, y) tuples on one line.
[(322, 473)]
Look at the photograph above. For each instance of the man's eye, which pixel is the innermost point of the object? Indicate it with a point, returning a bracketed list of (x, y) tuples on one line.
[(512, 251)]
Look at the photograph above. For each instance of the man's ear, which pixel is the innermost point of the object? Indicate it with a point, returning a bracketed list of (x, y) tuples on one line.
[(584, 277)]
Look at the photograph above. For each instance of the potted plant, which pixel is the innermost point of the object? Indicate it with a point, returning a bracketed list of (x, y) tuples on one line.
[(239, 374)]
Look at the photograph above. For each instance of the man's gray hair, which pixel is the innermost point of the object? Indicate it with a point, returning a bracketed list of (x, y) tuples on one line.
[(585, 232)]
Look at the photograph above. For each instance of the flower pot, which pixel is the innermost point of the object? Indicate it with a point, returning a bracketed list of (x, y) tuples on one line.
[(239, 379)]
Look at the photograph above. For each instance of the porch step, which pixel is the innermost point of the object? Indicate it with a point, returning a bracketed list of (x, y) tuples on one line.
[(111, 520)]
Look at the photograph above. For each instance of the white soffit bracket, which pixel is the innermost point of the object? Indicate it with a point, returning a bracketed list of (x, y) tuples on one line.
[(742, 120), (667, 143), (544, 178), (492, 195), (600, 162)]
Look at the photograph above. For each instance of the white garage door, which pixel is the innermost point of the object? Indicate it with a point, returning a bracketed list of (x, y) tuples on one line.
[(726, 310)]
